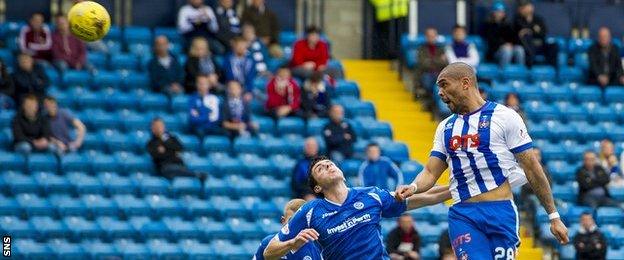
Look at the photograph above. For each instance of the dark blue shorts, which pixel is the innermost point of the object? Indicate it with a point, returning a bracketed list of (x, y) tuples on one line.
[(484, 230)]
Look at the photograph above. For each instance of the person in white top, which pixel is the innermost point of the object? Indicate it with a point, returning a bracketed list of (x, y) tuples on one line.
[(461, 51), (196, 19), (484, 143)]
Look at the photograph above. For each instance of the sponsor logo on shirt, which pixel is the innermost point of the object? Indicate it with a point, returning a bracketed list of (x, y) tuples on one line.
[(464, 141), (358, 205), (285, 230), (461, 239), (329, 214), (349, 223), (484, 122), (307, 257)]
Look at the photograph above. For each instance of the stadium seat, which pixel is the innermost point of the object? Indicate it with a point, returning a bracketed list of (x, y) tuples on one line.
[(273, 187), (264, 209), (378, 129), (609, 215), (350, 167), (614, 94), (99, 119), (528, 93), (43, 162), (100, 250), (51, 183), (438, 213), (190, 143), (101, 162), (156, 102), (225, 165), (19, 183), (347, 88), (430, 252), (49, 228), (162, 206), (179, 103), (290, 125), (515, 72), (170, 32), (590, 132), (116, 141), (136, 80), (67, 206), (244, 229), (229, 208), (124, 61), (73, 162), (562, 132), (315, 126), (118, 101), (543, 73), (266, 125), (34, 205), (561, 171), (97, 205), (128, 249), (141, 50), (106, 79), (283, 165), (488, 71), (133, 121), (137, 34), (150, 184), (226, 250), (396, 151), (410, 169), (130, 205), (181, 229), (271, 146), (196, 250), (76, 78), (114, 228), (149, 228), (131, 162), (30, 249), (584, 94), (9, 207), (551, 151), (6, 116), (429, 233), (497, 92), (537, 111), (573, 113), (81, 228), (567, 252), (247, 145), (617, 193), (164, 250), (216, 144), (96, 59), (570, 74), (186, 186), (239, 186)]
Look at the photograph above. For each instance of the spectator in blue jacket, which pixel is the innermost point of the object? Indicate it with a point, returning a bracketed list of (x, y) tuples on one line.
[(165, 72), (239, 66), (204, 110), (257, 50), (299, 180), (377, 169)]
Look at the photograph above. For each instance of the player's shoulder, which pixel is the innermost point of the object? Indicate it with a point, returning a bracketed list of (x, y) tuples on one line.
[(445, 123), (373, 192), (267, 239), (504, 113)]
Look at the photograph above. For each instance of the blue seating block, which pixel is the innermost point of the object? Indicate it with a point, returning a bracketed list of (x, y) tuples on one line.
[(137, 34), (132, 206), (148, 228), (196, 208), (81, 228), (29, 249), (488, 71), (116, 229), (9, 207), (52, 183), (216, 144), (181, 229), (49, 228), (225, 165), (99, 250), (609, 215), (34, 205), (186, 186), (163, 206), (291, 125), (196, 250), (347, 88), (19, 183), (149, 184), (410, 169), (543, 73), (247, 145), (68, 206), (43, 162), (76, 78), (106, 79), (99, 206), (570, 74), (164, 250), (588, 94), (128, 249)]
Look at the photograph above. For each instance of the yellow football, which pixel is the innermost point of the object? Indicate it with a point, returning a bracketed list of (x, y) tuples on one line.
[(89, 21)]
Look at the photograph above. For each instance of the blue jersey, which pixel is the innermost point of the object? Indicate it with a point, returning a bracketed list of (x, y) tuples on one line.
[(309, 251), (350, 230)]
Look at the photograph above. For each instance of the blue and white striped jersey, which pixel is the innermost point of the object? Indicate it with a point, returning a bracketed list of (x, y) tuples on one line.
[(479, 148)]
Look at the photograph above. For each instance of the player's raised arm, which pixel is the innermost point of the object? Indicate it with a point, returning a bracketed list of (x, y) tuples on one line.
[(293, 236), (435, 195)]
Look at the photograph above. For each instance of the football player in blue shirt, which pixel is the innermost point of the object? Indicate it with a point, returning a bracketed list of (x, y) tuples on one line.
[(344, 221), (309, 251)]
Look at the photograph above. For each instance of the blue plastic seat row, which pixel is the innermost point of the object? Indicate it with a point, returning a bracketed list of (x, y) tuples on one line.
[(102, 78)]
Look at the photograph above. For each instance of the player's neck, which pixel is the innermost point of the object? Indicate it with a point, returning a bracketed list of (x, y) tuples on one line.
[(472, 105), (338, 194)]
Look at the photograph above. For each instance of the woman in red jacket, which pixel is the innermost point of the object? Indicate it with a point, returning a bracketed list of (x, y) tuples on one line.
[(284, 95)]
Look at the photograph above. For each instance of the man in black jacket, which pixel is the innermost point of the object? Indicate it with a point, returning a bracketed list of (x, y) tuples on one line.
[(502, 42), (593, 180), (165, 150), (403, 242), (605, 66), (338, 134), (29, 78), (31, 130), (531, 31), (229, 24), (589, 242)]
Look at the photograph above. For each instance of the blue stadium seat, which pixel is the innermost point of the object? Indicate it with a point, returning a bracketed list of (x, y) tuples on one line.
[(114, 33), (149, 228), (498, 92), (567, 252), (67, 206), (562, 132), (96, 59), (186, 186), (226, 250), (155, 102), (116, 141), (106, 79), (195, 207), (9, 207), (136, 80), (609, 215), (347, 88), (247, 145), (190, 143), (614, 94), (573, 113), (131, 162), (182, 229), (137, 34), (565, 192), (17, 228), (515, 72), (163, 206), (140, 49), (225, 165), (590, 131), (266, 125), (118, 101), (229, 208), (561, 171), (269, 225), (196, 250), (378, 129), (164, 250), (30, 249), (315, 126), (271, 145), (283, 165), (170, 32), (617, 193), (265, 209), (130, 205), (242, 187), (124, 61), (81, 228), (616, 133), (584, 94), (101, 162), (114, 228), (290, 125), (49, 228), (430, 252), (245, 229), (350, 167), (570, 74), (396, 151), (179, 104), (43, 162), (488, 71), (429, 233), (133, 121), (99, 250), (11, 161), (577, 45), (216, 144), (97, 205), (52, 183), (255, 165), (273, 187), (360, 109), (530, 92), (116, 184), (537, 111), (543, 73), (615, 254), (19, 183), (76, 78), (287, 38), (438, 213), (99, 119), (552, 151), (128, 249), (114, 47), (34, 205), (410, 169), (150, 184), (74, 162), (5, 117)]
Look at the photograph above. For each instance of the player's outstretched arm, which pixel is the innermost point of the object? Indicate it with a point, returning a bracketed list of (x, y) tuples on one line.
[(435, 195), (540, 185), (424, 180), (276, 248)]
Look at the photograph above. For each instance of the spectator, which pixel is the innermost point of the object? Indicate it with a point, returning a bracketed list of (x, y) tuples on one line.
[(257, 49), (403, 242), (593, 180), (236, 113), (7, 89), (239, 66), (502, 43), (299, 180), (513, 101), (610, 163), (431, 60), (196, 19), (316, 98), (165, 150), (445, 250), (589, 242), (264, 21), (204, 114), (229, 24), (377, 170), (36, 38), (61, 121), (339, 135), (531, 31), (310, 54), (605, 66), (165, 71), (200, 63), (67, 50), (460, 50), (29, 78), (31, 130), (284, 95)]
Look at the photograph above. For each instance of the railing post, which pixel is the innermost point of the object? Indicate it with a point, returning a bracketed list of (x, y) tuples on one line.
[(413, 18)]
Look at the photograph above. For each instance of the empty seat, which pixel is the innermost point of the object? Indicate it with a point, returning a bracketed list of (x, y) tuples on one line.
[(561, 171), (347, 88), (186, 186), (396, 151), (537, 111), (137, 80), (266, 125), (81, 228), (196, 250), (543, 73), (163, 206), (34, 205), (283, 165), (225, 165), (115, 228), (290, 125), (564, 192), (229, 208), (530, 92), (106, 79), (245, 229), (195, 207), (9, 207), (76, 78), (149, 228), (128, 249), (273, 187), (515, 72), (609, 215), (149, 184), (190, 143), (216, 144), (74, 162), (140, 49), (68, 206), (49, 228), (242, 187), (98, 60), (20, 183), (614, 94), (30, 249), (164, 250), (156, 102), (130, 162), (137, 34), (98, 205), (124, 61), (410, 169), (378, 129), (255, 165), (586, 94), (271, 145), (213, 230), (101, 162), (488, 71), (132, 206), (350, 167), (570, 74), (43, 162), (247, 145), (99, 250), (64, 249), (52, 183), (498, 92), (182, 229)]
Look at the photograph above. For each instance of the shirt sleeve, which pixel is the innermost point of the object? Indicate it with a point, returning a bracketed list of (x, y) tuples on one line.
[(517, 137), (390, 207), (260, 251), (438, 149), (298, 222)]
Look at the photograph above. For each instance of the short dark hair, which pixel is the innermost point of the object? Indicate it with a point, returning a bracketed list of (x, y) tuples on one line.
[(312, 29), (372, 144), (30, 97), (50, 98), (157, 118), (311, 181), (457, 26), (237, 39)]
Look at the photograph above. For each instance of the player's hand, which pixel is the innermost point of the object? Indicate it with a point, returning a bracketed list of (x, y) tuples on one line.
[(305, 236), (559, 230), (404, 191)]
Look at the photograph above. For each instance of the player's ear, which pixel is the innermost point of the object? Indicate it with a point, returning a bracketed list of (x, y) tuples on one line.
[(465, 81), (317, 189)]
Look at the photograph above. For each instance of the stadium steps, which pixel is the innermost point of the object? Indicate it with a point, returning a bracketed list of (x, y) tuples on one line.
[(528, 249), (411, 123)]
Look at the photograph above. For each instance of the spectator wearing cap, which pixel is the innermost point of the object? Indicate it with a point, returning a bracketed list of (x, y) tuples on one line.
[(240, 66), (531, 31), (339, 135), (593, 180), (229, 23), (284, 95), (502, 43), (403, 242), (29, 78), (166, 74), (589, 242), (310, 54), (236, 113), (377, 170), (61, 123), (204, 110), (35, 38), (299, 180), (316, 98), (460, 50), (67, 50), (605, 66)]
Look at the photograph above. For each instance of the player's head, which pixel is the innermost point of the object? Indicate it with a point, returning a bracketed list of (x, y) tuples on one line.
[(25, 61), (291, 207), (36, 21), (587, 220), (458, 83), (239, 45), (51, 107), (589, 160), (312, 34), (406, 222), (431, 35), (336, 113), (199, 48), (310, 147), (459, 33), (30, 105), (158, 126), (604, 36), (323, 174), (202, 82), (373, 152), (234, 89), (161, 46), (62, 25)]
